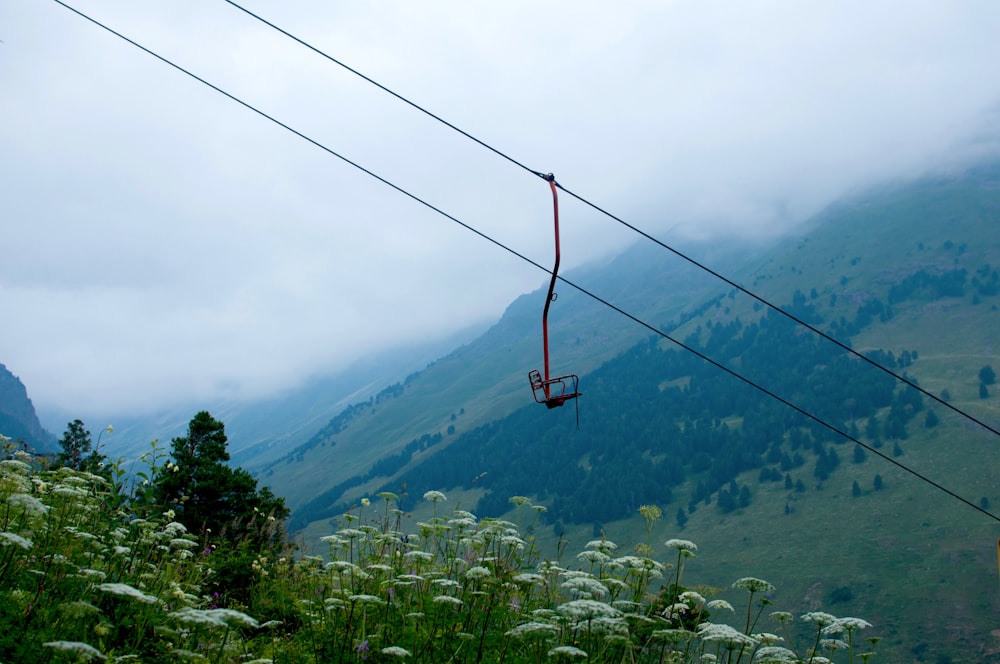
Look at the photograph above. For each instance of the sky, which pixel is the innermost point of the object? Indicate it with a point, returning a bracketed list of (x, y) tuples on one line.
[(162, 243)]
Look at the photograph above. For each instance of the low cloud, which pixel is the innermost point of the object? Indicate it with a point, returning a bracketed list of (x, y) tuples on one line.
[(162, 243)]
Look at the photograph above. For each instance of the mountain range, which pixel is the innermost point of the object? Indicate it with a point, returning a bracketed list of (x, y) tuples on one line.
[(777, 451)]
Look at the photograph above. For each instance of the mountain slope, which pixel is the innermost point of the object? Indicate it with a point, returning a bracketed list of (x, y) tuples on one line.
[(18, 420), (487, 378), (908, 275)]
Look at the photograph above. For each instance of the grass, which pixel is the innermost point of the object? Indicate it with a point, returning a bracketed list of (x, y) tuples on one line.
[(86, 575)]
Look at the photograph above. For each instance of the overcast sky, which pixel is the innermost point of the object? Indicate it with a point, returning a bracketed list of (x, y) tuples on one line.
[(161, 243)]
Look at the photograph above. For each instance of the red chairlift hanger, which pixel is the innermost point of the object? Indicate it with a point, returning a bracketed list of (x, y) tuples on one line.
[(553, 392)]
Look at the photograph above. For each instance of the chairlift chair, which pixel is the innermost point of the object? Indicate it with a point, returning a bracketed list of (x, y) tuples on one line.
[(549, 390)]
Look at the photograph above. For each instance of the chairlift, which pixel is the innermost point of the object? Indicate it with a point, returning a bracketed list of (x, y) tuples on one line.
[(552, 391)]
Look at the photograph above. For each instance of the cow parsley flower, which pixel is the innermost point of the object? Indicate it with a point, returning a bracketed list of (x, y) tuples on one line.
[(447, 599), (28, 503), (753, 585), (82, 650), (720, 605), (434, 497), (845, 625), (366, 599), (531, 629), (8, 539), (529, 578), (602, 545), (683, 545), (477, 572), (724, 634), (213, 618), (125, 590), (775, 655), (820, 618), (585, 587), (587, 609), (593, 556), (396, 651), (569, 651)]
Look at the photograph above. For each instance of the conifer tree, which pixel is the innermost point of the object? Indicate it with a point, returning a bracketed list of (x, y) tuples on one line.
[(77, 449), (210, 497)]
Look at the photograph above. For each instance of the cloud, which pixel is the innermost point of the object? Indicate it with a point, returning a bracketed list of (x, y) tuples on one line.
[(162, 243)]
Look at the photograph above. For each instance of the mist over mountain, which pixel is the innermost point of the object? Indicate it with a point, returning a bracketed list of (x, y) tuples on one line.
[(262, 428)]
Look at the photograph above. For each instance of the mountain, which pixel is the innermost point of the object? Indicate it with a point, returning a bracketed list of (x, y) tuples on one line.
[(18, 420), (907, 276), (487, 378)]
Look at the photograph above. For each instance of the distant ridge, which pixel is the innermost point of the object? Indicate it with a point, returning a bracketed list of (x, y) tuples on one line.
[(18, 420)]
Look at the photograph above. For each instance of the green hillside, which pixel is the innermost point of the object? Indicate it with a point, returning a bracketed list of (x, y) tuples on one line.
[(487, 378), (907, 275)]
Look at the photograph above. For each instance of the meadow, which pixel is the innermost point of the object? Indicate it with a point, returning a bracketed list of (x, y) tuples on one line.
[(90, 570)]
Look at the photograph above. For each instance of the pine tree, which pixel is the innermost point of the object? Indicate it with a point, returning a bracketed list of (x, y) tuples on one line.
[(77, 449), (210, 497)]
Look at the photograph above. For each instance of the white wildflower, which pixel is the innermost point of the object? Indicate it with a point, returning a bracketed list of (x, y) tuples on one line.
[(753, 585), (434, 497), (691, 596), (69, 492), (602, 545), (569, 651), (15, 466), (8, 539), (845, 625), (545, 630), (775, 655), (683, 545), (674, 635), (528, 577), (213, 618), (768, 639), (833, 644), (477, 572), (80, 649), (351, 533), (447, 599), (593, 556), (125, 590), (586, 588), (418, 555), (396, 651), (820, 618), (724, 634), (28, 503), (587, 609), (720, 605), (94, 573), (174, 529), (366, 599)]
